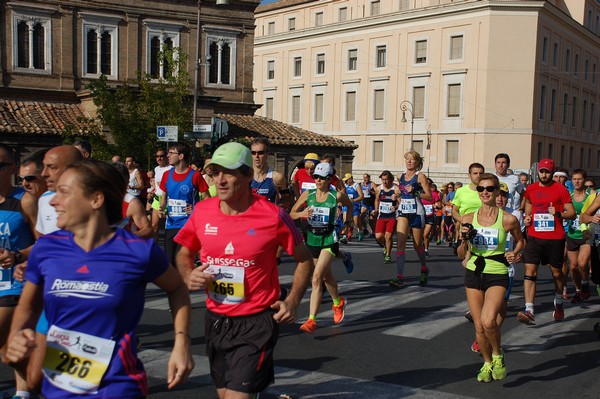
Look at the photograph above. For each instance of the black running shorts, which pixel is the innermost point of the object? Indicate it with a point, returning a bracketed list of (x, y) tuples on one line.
[(485, 280), (9, 301), (240, 350), (546, 252), (573, 244)]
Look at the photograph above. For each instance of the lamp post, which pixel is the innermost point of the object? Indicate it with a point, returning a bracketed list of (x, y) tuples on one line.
[(404, 106)]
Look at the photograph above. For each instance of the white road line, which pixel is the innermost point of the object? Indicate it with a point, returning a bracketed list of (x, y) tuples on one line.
[(300, 383)]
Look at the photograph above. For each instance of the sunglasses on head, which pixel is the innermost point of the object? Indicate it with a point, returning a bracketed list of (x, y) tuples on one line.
[(28, 178), (489, 189), (262, 152)]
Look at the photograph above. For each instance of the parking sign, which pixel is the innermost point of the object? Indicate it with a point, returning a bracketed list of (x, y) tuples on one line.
[(166, 133)]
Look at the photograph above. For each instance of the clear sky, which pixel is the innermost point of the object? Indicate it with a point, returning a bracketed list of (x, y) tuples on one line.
[(267, 1)]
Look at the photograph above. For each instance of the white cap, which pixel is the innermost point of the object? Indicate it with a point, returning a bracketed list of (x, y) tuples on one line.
[(323, 169)]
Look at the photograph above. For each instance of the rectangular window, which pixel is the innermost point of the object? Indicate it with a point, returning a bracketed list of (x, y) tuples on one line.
[(375, 7), (271, 28), (352, 60), (456, 48), (343, 14), (320, 64), (574, 113), (270, 70), (160, 47), (594, 74), (550, 150), (419, 102), (297, 67), (222, 50), (319, 107), (417, 145), (553, 105), (269, 108), (565, 109), (451, 151), (421, 52), (380, 52), (586, 70), (378, 104), (576, 67), (584, 115), (592, 116), (555, 55), (32, 42), (291, 24), (542, 114), (295, 109), (350, 106), (545, 50), (100, 50), (318, 18), (568, 60), (377, 155), (454, 100)]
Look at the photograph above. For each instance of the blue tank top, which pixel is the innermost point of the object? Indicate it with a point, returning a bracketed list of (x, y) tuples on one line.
[(352, 191), (15, 234), (410, 203), (386, 201), (179, 194), (266, 188)]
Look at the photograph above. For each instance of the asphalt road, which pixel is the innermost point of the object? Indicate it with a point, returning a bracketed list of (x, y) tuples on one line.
[(394, 343)]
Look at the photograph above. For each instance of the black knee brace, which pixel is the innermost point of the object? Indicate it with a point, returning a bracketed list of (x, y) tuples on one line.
[(530, 278)]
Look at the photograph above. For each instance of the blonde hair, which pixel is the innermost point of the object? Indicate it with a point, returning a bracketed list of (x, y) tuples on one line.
[(418, 158)]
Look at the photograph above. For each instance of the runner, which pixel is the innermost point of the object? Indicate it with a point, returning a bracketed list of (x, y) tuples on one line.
[(322, 240), (411, 216), (368, 206), (578, 248), (431, 207), (159, 171), (515, 188), (93, 308), (483, 248), (303, 180), (266, 181), (386, 204), (356, 195), (236, 236), (134, 217), (546, 204), (467, 199)]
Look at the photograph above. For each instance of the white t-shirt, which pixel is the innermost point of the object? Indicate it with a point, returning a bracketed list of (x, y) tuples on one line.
[(47, 216), (515, 190), (133, 182), (159, 171)]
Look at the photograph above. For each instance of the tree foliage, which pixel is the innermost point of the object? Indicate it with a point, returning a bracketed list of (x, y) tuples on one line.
[(133, 110), (101, 148)]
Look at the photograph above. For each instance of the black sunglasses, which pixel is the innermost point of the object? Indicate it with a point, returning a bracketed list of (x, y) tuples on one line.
[(262, 152), (28, 178), (317, 177), (489, 189), (589, 186), (4, 165)]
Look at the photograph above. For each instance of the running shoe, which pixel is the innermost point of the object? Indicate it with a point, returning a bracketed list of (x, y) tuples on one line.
[(485, 373), (397, 282), (360, 237), (577, 298), (438, 242), (585, 291), (423, 277), (468, 316), (343, 240), (526, 317), (309, 327), (426, 252), (348, 263), (475, 347), (338, 311), (559, 312), (388, 259), (498, 367)]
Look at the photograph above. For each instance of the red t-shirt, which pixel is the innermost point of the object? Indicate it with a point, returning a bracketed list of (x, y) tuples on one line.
[(242, 244), (543, 226), (197, 179), (304, 180)]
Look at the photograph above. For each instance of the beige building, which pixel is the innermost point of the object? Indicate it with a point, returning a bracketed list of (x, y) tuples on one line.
[(475, 78)]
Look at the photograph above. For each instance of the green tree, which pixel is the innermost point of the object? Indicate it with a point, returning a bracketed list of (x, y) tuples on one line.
[(101, 148), (133, 110)]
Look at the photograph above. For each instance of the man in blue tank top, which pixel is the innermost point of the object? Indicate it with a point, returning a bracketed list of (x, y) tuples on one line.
[(266, 181)]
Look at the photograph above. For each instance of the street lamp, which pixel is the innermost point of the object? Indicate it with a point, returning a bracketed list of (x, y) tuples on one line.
[(404, 107)]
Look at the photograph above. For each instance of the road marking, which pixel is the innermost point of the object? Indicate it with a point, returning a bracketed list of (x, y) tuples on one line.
[(300, 383)]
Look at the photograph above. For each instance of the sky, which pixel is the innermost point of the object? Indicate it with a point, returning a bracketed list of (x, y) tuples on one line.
[(267, 2)]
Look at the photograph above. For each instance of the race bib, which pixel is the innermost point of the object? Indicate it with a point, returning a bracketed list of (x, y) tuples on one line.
[(408, 205), (428, 209), (177, 207), (76, 362), (366, 193), (543, 222), (5, 278), (576, 224), (227, 286), (486, 239), (308, 186), (319, 217), (385, 207)]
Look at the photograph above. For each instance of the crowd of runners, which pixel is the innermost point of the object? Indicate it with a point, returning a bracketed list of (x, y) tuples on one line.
[(79, 244)]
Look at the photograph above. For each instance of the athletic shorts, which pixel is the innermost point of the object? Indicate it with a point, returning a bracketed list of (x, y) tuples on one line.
[(9, 301), (369, 208), (334, 249), (415, 220), (385, 226), (355, 210), (485, 280), (448, 221), (240, 350), (156, 202), (546, 252), (573, 244), (430, 219)]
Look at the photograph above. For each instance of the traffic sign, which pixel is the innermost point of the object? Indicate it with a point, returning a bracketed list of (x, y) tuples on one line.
[(166, 133), (203, 128)]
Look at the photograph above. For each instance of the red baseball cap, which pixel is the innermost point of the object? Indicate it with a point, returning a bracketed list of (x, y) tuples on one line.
[(546, 163)]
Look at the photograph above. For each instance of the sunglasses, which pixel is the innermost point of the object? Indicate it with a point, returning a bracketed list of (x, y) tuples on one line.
[(489, 189), (262, 152), (28, 178), (589, 186), (316, 177), (4, 165), (160, 155)]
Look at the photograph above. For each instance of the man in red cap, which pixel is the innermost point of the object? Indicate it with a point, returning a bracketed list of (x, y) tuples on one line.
[(546, 204)]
